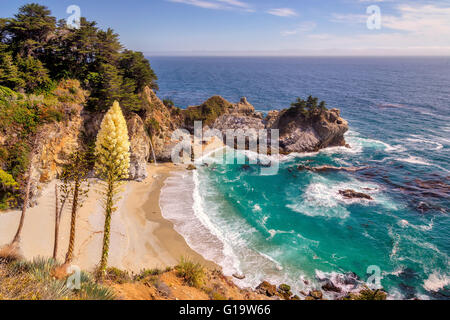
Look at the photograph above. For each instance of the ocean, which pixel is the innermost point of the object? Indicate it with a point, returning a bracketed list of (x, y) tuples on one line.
[(294, 227)]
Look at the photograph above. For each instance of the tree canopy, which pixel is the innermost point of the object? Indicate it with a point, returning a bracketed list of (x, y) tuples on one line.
[(37, 50), (308, 107)]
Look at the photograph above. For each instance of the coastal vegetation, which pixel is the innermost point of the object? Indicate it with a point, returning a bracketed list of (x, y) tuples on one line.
[(207, 112), (308, 108), (74, 187), (36, 280), (37, 51), (112, 161)]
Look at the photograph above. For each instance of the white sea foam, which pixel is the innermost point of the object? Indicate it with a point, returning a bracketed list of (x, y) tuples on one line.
[(322, 198), (414, 160), (190, 220), (436, 281), (425, 143), (405, 224)]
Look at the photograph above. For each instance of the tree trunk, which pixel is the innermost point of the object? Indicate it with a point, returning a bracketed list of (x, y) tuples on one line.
[(107, 231), (26, 201), (57, 219), (73, 222)]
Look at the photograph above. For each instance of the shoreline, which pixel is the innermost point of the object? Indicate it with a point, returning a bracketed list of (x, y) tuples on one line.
[(141, 238)]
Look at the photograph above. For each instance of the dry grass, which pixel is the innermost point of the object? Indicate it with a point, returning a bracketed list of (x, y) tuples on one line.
[(10, 253)]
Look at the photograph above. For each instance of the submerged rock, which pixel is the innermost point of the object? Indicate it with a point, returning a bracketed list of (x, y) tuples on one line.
[(352, 194), (239, 276), (330, 286)]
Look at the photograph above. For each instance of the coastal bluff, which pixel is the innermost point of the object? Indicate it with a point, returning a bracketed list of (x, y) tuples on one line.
[(151, 129)]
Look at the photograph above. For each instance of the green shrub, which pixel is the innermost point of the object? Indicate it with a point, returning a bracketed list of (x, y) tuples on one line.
[(117, 275), (367, 294), (192, 273), (168, 103), (95, 291), (285, 288), (207, 112), (148, 273)]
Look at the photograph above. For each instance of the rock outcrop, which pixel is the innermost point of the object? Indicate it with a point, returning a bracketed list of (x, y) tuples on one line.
[(298, 132), (139, 148), (161, 121)]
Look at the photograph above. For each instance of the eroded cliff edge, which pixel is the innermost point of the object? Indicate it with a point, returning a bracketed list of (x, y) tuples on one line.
[(151, 129)]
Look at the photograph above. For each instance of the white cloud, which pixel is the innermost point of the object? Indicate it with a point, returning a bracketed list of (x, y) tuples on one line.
[(303, 27), (216, 4), (425, 19), (414, 29), (283, 12)]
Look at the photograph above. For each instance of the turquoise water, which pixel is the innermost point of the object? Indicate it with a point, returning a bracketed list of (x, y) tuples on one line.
[(294, 227)]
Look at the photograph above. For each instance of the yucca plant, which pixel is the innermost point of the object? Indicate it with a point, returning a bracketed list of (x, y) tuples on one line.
[(112, 152)]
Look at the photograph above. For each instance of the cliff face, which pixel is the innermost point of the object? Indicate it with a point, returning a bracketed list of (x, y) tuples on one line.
[(160, 121)]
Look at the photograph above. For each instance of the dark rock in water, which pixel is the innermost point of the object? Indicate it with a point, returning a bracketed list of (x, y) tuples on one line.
[(351, 194), (284, 288), (408, 291), (408, 274), (316, 294), (267, 289), (285, 291), (191, 167), (295, 297), (330, 168), (239, 276), (245, 167), (330, 286), (350, 278)]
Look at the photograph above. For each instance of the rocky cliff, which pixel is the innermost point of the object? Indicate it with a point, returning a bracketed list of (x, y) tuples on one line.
[(151, 129), (298, 132)]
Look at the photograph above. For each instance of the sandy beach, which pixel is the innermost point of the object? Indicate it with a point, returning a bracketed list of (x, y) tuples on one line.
[(140, 238)]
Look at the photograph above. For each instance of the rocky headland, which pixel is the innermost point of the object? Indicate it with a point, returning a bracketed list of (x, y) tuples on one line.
[(151, 129)]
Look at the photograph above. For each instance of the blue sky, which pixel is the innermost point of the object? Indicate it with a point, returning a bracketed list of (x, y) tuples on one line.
[(267, 27)]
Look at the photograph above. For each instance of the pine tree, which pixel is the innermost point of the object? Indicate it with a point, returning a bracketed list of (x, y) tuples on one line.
[(9, 73), (111, 164)]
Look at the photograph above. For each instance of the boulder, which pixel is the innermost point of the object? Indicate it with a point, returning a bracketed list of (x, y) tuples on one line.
[(352, 194), (330, 286), (316, 294), (267, 289)]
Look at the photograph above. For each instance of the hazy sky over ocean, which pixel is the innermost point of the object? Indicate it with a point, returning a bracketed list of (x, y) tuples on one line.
[(267, 27)]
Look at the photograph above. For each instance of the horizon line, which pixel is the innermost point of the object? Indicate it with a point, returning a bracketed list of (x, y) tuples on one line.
[(186, 55)]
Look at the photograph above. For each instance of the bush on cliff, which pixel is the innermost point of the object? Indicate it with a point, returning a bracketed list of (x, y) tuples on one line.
[(191, 272), (20, 117), (207, 112)]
